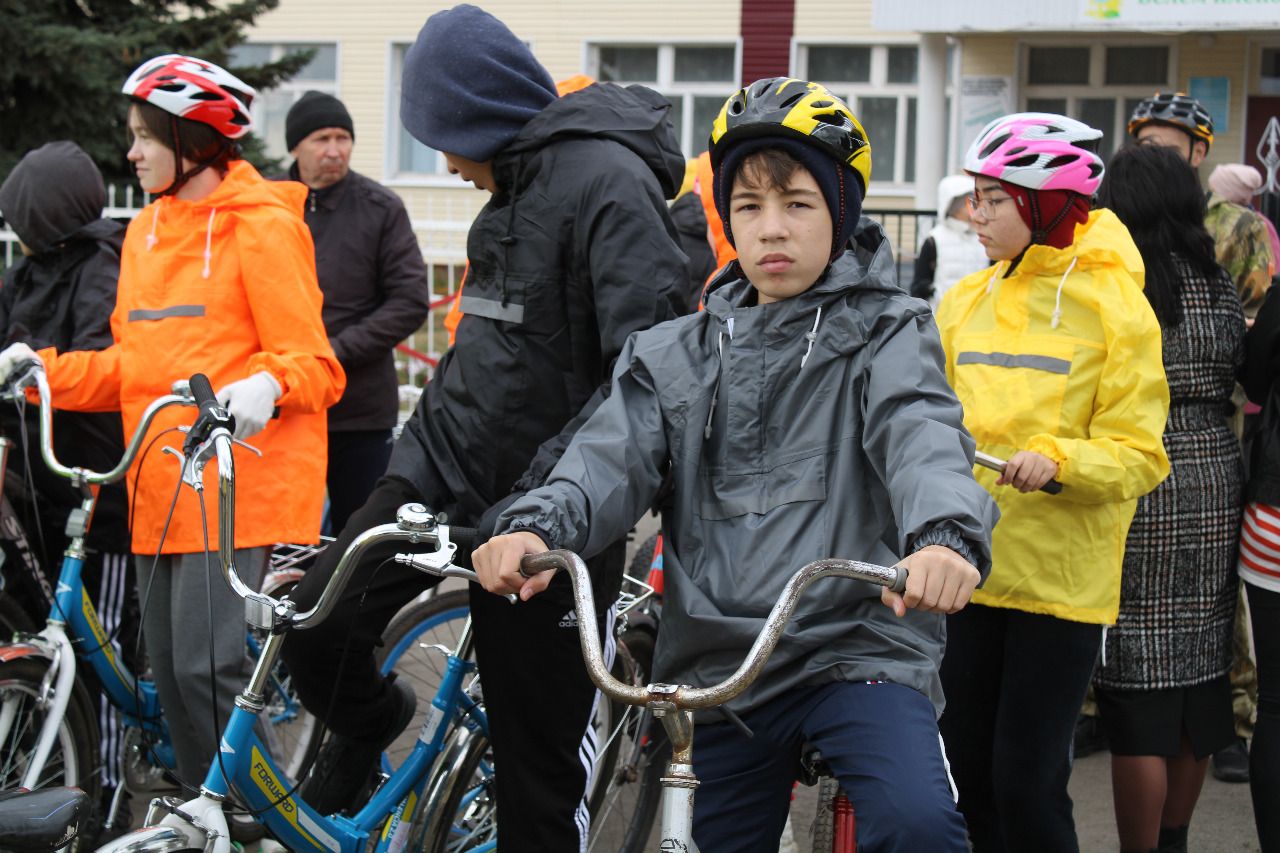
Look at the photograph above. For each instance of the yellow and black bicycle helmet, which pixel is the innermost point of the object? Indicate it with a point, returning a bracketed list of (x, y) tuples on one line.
[(798, 108), (1177, 110)]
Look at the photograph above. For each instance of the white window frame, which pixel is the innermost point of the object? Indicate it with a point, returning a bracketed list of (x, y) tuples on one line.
[(877, 87), (680, 94), (1096, 88), (392, 176), (279, 47)]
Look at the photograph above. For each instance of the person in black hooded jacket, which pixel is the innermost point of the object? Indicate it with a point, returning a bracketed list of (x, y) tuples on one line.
[(574, 251), (61, 294)]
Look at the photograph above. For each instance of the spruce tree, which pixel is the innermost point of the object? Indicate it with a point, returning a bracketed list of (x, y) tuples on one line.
[(62, 63)]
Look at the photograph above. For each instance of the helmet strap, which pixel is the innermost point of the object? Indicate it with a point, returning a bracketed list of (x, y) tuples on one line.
[(183, 176)]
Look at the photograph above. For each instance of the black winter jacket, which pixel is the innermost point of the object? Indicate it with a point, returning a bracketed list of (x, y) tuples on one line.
[(62, 296), (574, 252), (375, 292)]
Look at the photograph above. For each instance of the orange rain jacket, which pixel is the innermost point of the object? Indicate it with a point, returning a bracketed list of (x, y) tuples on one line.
[(225, 286)]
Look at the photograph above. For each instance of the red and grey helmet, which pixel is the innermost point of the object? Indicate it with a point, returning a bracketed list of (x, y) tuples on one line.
[(1176, 110), (194, 89)]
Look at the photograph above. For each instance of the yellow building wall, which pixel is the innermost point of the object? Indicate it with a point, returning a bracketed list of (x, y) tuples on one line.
[(557, 32), (1218, 55)]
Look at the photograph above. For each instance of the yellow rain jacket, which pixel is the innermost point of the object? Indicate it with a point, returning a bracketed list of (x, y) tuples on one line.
[(1089, 392), (225, 286)]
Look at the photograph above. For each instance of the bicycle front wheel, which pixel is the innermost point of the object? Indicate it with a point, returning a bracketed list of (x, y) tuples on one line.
[(626, 785), (74, 758)]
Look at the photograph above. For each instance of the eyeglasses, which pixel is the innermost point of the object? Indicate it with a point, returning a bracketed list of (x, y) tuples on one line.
[(984, 204)]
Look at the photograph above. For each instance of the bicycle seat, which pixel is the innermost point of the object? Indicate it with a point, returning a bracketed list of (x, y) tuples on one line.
[(41, 820)]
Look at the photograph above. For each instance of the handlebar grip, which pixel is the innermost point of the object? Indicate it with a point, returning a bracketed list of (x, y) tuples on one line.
[(900, 584), (202, 391), (1052, 487), (535, 564), (464, 537)]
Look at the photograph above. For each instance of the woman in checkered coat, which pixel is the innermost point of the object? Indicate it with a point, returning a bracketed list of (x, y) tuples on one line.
[(1162, 688)]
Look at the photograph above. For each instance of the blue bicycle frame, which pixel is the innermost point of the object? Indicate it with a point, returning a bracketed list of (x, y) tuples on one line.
[(296, 824)]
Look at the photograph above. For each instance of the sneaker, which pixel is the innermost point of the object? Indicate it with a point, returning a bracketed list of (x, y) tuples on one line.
[(341, 777), (1231, 764)]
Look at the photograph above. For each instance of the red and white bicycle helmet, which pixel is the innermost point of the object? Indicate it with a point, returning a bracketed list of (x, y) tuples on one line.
[(1038, 151), (194, 89)]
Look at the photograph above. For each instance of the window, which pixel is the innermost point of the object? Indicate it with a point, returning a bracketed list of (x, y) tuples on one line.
[(879, 83), (695, 78), (270, 107), (409, 159), (1269, 73), (1098, 84)]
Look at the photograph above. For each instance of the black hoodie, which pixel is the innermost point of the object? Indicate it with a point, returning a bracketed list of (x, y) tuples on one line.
[(62, 296), (574, 252)]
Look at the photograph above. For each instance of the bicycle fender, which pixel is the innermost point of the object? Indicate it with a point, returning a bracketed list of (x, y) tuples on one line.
[(155, 839), (16, 651)]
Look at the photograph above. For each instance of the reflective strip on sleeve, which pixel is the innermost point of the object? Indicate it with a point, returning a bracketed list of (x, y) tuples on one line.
[(492, 309), (138, 314), (1004, 359)]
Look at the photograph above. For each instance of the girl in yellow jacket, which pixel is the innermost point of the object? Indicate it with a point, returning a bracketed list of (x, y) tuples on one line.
[(1055, 354), (216, 276)]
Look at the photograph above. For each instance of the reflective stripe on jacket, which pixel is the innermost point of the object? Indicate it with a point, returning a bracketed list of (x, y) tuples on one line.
[(225, 286), (1089, 393)]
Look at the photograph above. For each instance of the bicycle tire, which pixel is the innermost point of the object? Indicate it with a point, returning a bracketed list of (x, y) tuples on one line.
[(439, 823), (824, 835), (433, 619), (293, 732), (74, 758), (628, 790)]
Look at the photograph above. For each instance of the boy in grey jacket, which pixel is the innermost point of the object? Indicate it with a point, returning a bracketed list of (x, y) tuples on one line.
[(804, 414)]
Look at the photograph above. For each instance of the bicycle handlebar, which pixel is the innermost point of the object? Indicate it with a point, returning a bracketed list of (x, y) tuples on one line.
[(694, 698), (35, 375), (986, 460)]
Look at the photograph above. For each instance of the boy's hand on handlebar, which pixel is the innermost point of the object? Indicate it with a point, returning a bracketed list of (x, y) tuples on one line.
[(14, 355), (940, 581), (1027, 471), (497, 562)]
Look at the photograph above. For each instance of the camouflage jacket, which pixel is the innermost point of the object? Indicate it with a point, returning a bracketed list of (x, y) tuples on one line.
[(1243, 248)]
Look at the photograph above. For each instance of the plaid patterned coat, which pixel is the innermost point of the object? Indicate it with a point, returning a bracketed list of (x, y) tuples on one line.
[(1178, 587)]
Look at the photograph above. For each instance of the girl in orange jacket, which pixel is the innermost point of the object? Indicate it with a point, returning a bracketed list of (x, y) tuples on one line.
[(216, 276)]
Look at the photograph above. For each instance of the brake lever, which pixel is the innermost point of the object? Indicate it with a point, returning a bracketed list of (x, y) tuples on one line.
[(193, 465)]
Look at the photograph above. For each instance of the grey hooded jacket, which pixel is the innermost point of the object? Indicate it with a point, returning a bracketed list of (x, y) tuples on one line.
[(818, 426)]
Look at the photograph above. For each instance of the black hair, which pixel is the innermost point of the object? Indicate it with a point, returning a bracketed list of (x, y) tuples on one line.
[(1157, 196), (189, 140)]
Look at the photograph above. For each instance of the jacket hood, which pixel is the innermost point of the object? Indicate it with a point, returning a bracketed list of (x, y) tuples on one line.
[(687, 216), (51, 194), (242, 188), (867, 264), (635, 116), (1102, 241), (949, 189)]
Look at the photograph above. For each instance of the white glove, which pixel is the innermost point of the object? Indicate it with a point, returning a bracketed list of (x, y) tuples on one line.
[(250, 401), (13, 356)]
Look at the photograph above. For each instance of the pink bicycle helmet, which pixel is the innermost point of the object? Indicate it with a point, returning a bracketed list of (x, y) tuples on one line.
[(1038, 151), (194, 89)]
